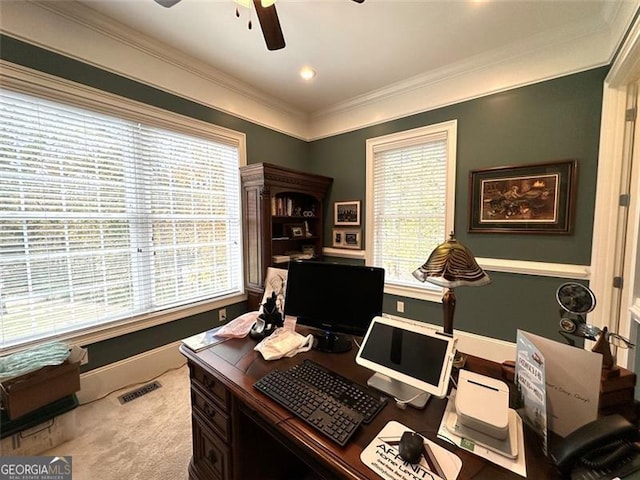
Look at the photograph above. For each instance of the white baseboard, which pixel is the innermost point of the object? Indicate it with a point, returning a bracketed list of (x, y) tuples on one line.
[(477, 345), (130, 371)]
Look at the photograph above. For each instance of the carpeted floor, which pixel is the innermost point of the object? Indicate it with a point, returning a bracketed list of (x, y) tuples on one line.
[(146, 438)]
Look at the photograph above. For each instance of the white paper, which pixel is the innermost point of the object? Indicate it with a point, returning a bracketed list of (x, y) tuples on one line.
[(572, 384)]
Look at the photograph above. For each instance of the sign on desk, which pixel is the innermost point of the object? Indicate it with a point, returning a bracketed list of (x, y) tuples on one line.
[(382, 456)]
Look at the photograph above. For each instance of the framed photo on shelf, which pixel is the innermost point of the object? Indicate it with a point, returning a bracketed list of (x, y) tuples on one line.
[(347, 213), (295, 230), (347, 238), (536, 198)]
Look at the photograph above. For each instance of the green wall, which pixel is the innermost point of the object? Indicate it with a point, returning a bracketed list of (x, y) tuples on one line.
[(551, 120)]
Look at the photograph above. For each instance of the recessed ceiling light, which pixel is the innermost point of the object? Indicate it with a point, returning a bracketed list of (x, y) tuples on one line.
[(307, 73)]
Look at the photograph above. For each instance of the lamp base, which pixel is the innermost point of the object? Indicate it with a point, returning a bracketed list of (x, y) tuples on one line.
[(448, 308)]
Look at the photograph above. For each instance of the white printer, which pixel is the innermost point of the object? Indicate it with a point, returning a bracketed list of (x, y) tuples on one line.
[(482, 414), (482, 403)]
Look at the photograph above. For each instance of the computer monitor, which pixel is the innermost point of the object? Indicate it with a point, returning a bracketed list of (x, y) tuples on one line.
[(411, 360), (339, 299)]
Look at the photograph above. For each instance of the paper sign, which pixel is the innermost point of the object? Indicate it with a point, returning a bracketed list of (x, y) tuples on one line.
[(571, 381), (381, 456), (530, 379)]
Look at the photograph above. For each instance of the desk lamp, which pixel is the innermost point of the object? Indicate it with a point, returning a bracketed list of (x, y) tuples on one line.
[(451, 265)]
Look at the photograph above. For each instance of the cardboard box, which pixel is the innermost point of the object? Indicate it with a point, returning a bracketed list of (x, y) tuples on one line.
[(39, 438), (28, 392)]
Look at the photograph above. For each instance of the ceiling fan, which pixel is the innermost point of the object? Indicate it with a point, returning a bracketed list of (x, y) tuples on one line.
[(268, 18)]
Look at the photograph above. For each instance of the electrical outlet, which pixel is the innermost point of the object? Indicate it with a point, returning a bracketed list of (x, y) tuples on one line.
[(222, 315), (400, 307)]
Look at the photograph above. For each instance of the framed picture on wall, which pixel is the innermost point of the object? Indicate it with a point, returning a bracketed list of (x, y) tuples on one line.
[(537, 198), (347, 213), (347, 238)]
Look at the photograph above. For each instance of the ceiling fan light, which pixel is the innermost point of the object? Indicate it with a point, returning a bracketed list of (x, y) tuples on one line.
[(267, 3), (243, 3)]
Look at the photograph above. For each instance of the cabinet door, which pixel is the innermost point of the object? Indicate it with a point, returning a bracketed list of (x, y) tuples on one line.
[(211, 455), (261, 185), (255, 236)]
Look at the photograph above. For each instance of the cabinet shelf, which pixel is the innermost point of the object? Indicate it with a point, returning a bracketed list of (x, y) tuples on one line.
[(276, 202), (297, 239), (294, 217)]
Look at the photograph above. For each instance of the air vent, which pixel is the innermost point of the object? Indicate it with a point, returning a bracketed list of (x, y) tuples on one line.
[(138, 392)]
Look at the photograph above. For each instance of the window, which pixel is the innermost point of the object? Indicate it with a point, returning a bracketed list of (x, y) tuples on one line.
[(410, 203), (105, 218)]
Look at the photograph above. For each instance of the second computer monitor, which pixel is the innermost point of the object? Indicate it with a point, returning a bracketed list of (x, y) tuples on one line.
[(411, 360), (338, 299)]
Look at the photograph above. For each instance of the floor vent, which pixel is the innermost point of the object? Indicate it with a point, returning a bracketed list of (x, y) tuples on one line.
[(138, 392)]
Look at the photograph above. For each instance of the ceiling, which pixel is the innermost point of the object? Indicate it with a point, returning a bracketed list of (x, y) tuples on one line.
[(360, 49)]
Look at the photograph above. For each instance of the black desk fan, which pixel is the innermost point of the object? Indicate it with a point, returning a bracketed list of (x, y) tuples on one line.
[(576, 301)]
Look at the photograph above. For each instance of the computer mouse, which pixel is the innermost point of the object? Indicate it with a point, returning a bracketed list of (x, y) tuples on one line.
[(410, 447)]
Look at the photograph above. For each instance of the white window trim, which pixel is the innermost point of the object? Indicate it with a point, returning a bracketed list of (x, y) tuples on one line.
[(451, 127), (28, 81), (33, 82)]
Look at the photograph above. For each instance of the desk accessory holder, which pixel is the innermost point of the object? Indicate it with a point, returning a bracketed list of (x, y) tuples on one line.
[(268, 320)]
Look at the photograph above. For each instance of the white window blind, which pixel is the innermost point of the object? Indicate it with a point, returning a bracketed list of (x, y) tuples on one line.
[(410, 203), (104, 219)]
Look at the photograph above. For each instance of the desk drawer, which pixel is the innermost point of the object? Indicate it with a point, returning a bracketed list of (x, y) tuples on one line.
[(210, 454), (215, 418), (211, 386)]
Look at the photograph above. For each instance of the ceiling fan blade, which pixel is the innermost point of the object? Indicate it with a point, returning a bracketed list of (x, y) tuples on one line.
[(167, 3), (270, 25), (359, 1)]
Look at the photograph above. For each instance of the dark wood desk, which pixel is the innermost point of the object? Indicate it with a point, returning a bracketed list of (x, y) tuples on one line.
[(240, 434)]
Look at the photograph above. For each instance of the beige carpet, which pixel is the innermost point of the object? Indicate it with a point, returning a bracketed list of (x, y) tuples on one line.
[(147, 438)]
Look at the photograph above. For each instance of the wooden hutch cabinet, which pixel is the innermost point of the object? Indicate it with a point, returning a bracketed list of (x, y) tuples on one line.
[(283, 211)]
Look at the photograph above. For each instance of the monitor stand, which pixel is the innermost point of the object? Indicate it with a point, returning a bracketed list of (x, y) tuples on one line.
[(399, 390), (331, 343)]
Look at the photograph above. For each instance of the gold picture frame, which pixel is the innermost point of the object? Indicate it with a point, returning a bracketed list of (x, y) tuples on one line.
[(536, 198)]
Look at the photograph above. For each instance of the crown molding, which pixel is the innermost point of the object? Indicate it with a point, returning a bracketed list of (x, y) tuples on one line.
[(535, 59), (78, 32), (74, 30), (507, 54)]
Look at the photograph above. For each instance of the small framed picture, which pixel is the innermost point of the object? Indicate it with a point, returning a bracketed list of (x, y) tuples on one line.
[(337, 237), (295, 230), (347, 238), (347, 213)]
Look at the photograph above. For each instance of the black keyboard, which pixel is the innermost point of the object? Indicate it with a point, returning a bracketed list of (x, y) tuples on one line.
[(331, 403)]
